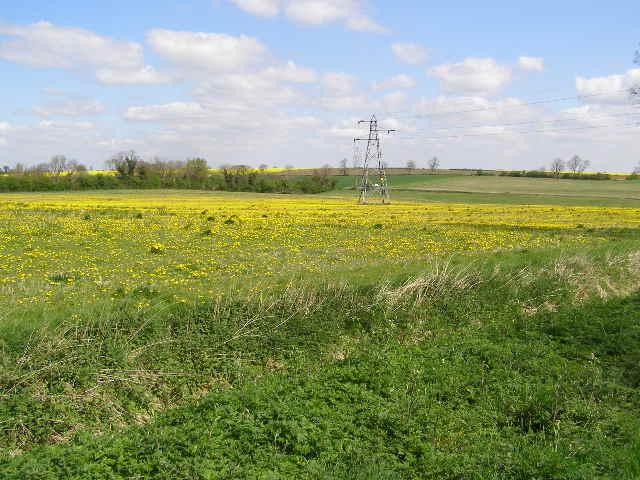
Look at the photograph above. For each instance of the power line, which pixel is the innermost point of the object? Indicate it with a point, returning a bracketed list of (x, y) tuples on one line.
[(510, 107), (635, 124), (573, 118)]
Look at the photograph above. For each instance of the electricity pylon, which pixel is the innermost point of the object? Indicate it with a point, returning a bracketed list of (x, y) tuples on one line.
[(373, 157)]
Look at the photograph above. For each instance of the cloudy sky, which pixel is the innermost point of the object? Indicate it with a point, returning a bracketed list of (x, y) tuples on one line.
[(494, 84)]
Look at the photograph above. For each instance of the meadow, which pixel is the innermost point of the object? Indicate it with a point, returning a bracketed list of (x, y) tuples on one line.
[(455, 188), (557, 187), (189, 334)]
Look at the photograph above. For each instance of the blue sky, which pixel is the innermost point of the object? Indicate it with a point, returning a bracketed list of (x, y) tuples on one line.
[(284, 81)]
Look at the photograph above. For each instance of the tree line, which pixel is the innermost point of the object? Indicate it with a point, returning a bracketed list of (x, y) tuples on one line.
[(132, 172), (574, 168)]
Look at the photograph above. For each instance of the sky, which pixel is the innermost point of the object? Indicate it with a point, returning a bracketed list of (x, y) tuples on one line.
[(494, 84)]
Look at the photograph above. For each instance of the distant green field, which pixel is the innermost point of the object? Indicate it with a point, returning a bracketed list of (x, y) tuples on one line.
[(508, 190), (540, 186)]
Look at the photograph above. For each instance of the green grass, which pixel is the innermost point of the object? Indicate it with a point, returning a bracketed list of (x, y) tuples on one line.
[(542, 186), (464, 373), (397, 180), (517, 364), (514, 199), (461, 384), (507, 190)]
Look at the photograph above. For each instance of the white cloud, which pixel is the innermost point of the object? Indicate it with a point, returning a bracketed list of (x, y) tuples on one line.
[(350, 128), (263, 8), (141, 76), (290, 72), (482, 75), (69, 107), (410, 53), (215, 52), (457, 110), (395, 101), (4, 127), (399, 81), (118, 144), (245, 92), (362, 23), (531, 64), (400, 126), (339, 82), (588, 114), (46, 45), (49, 124), (171, 112), (232, 100), (43, 44), (316, 12), (344, 129), (353, 103), (305, 121), (613, 89)]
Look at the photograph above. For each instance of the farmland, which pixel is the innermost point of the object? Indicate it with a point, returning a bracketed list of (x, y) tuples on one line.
[(65, 247), (621, 189), (509, 190), (188, 334)]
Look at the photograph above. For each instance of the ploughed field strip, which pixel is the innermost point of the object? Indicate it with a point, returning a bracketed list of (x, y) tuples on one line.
[(74, 247)]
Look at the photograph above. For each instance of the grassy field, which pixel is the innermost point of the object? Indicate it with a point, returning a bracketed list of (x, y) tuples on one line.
[(185, 334), (510, 190)]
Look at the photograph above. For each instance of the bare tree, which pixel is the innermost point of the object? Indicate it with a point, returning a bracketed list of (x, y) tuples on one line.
[(434, 164), (557, 166), (74, 166), (263, 167), (343, 166), (125, 163), (574, 163), (58, 164), (411, 165), (583, 166), (577, 165), (165, 168), (39, 169)]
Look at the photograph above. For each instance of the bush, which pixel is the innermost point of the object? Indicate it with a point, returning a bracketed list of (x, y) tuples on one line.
[(231, 180)]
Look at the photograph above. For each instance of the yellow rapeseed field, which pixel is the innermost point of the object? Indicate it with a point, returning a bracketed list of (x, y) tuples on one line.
[(76, 246)]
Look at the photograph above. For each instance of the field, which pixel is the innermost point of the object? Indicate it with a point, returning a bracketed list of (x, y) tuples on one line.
[(512, 190), (627, 190), (187, 334), (68, 248)]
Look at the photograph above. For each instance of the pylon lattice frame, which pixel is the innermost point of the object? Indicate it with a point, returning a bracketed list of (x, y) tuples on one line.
[(373, 159)]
